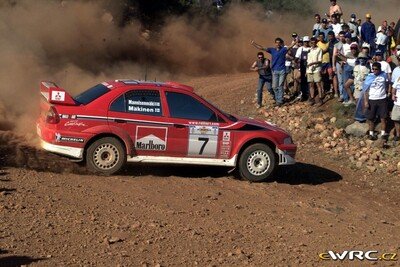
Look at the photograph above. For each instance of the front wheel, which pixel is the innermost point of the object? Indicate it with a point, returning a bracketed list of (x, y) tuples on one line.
[(105, 156), (257, 163)]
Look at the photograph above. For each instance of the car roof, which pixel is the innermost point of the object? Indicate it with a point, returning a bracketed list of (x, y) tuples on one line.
[(126, 82)]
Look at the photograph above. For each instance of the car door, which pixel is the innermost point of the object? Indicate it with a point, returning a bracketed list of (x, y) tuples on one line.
[(139, 113), (195, 125)]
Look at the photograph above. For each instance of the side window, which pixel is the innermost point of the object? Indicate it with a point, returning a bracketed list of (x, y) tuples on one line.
[(186, 107), (145, 102), (118, 104)]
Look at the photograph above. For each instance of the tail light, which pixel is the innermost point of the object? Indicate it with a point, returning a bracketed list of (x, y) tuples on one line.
[(52, 116)]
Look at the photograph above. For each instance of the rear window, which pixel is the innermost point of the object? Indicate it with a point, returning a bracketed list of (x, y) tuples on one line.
[(91, 94)]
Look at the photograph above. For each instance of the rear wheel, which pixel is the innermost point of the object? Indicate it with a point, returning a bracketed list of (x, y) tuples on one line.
[(257, 163), (105, 156)]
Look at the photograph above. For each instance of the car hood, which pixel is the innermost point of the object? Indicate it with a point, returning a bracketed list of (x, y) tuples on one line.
[(244, 123)]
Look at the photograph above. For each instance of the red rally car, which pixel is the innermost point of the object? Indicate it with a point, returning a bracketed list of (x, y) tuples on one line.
[(137, 121)]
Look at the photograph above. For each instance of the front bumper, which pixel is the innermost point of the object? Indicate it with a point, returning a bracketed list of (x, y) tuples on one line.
[(286, 157)]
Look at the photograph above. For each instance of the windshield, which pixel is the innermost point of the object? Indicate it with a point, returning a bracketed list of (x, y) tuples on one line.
[(229, 116), (91, 94)]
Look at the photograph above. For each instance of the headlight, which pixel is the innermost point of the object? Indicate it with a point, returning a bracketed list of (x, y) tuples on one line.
[(288, 140)]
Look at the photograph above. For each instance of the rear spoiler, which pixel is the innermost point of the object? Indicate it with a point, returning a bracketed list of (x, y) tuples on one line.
[(55, 95)]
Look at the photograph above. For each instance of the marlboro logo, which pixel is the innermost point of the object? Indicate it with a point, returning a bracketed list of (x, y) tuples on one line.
[(151, 138)]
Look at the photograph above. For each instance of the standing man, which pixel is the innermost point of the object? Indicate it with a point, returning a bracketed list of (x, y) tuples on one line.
[(368, 33), (335, 9), (375, 99), (326, 68), (353, 28), (317, 25), (262, 66), (325, 28), (314, 60), (278, 54), (337, 65)]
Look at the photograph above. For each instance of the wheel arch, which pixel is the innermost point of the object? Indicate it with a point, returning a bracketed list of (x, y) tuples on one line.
[(256, 141), (102, 135)]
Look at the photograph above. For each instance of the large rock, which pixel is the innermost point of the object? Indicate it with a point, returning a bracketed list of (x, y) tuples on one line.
[(357, 129)]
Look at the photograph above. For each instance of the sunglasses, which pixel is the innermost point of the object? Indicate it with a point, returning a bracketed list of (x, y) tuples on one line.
[(260, 57)]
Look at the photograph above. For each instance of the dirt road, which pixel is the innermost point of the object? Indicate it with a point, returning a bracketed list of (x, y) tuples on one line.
[(152, 215)]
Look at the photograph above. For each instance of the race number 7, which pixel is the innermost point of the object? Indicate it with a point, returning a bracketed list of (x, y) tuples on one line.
[(205, 140)]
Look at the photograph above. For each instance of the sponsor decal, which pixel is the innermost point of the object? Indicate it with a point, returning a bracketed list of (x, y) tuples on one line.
[(63, 116), (151, 138), (75, 123), (203, 140), (60, 138), (144, 106), (226, 136), (225, 144), (206, 123), (58, 95)]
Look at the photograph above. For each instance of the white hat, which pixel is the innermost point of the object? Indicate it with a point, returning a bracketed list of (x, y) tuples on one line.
[(379, 28), (306, 38)]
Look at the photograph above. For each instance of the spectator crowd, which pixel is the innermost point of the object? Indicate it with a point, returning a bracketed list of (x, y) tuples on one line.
[(351, 61)]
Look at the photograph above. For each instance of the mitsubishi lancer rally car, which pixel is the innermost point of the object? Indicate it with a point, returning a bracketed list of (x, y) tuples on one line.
[(124, 121)]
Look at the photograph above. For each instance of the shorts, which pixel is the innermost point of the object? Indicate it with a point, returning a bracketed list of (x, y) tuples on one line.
[(377, 108), (327, 68), (314, 77), (396, 113)]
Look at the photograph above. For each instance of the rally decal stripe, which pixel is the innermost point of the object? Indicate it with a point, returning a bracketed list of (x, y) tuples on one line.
[(229, 126), (86, 117)]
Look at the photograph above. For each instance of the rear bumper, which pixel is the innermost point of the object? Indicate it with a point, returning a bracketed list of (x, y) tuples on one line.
[(73, 152), (286, 157)]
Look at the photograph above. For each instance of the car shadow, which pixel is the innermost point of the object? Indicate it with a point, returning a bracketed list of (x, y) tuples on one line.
[(184, 171), (305, 173), (14, 260), (300, 173)]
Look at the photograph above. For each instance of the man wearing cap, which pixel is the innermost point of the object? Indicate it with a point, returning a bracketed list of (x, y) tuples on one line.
[(368, 33), (325, 28), (381, 40), (375, 99), (335, 9), (301, 58), (361, 70), (385, 67), (278, 55), (353, 27)]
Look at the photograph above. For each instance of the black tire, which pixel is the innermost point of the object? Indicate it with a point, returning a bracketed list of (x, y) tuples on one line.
[(257, 163), (105, 156)]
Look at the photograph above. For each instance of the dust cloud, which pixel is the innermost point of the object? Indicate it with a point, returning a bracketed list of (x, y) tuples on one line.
[(76, 44)]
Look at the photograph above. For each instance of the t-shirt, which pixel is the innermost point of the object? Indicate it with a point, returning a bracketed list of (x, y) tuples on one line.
[(385, 67), (339, 48), (337, 28), (325, 55), (397, 87), (354, 28), (278, 58), (381, 38), (396, 75), (314, 55), (377, 86), (316, 28)]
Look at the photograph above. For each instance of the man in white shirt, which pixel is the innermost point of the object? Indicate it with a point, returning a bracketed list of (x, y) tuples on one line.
[(384, 65), (336, 26), (375, 99), (381, 39), (314, 61)]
